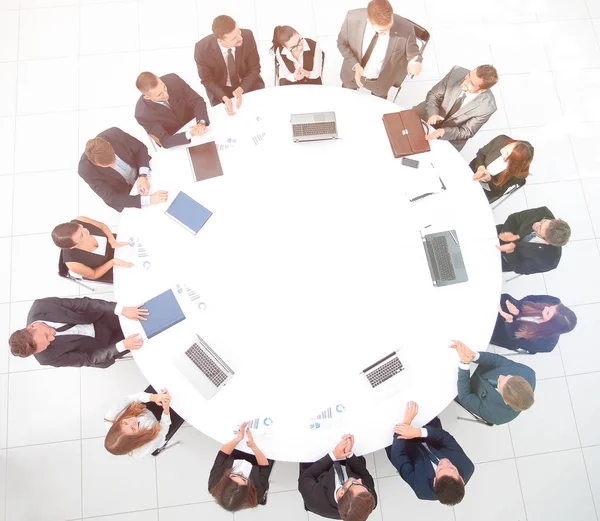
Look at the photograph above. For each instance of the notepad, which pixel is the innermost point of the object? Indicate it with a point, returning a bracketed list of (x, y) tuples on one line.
[(164, 312), (188, 212), (205, 161)]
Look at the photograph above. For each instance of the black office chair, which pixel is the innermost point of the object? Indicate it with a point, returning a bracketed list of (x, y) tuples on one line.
[(277, 68), (64, 272), (176, 422), (519, 183), (475, 418), (422, 35)]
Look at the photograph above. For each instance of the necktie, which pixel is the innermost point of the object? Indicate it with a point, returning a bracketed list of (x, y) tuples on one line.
[(66, 327), (529, 237), (432, 457), (233, 76), (338, 470), (493, 382), (457, 105), (370, 48)]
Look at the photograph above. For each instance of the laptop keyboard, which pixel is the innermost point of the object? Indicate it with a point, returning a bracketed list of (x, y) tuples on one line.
[(439, 247), (212, 371), (314, 129), (385, 371)]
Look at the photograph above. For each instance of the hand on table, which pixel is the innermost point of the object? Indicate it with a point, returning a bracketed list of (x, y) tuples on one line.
[(237, 93), (465, 355), (135, 313), (412, 409), (117, 244), (143, 185), (198, 130), (228, 106), (133, 342), (436, 118), (436, 134), (122, 263), (159, 197), (406, 432)]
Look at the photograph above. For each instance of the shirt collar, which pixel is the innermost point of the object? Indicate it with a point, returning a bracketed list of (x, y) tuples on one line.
[(286, 52), (225, 49)]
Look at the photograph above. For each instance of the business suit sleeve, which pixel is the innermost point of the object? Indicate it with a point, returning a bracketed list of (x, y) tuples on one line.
[(252, 64), (308, 479), (435, 97), (140, 151), (402, 462), (412, 48), (113, 199), (468, 399), (205, 71), (468, 129), (520, 263), (193, 99), (80, 305), (262, 485), (91, 354), (483, 152), (217, 470), (343, 43), (359, 465)]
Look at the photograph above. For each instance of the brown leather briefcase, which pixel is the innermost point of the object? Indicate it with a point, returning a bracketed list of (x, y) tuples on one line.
[(406, 133)]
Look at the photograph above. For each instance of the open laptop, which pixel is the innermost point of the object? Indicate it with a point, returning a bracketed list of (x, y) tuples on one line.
[(444, 258), (313, 126), (384, 369), (203, 368)]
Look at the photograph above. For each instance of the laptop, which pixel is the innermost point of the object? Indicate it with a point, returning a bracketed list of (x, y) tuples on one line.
[(384, 369), (188, 212), (314, 126), (163, 312), (203, 368), (205, 161), (444, 258)]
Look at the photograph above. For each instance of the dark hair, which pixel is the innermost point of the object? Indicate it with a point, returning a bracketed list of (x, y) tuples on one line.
[(356, 507), (99, 151), (146, 81), (558, 233), (62, 235), (380, 12), (517, 163), (231, 496), (563, 321), (449, 491), (22, 344), (222, 25), (281, 34), (517, 393), (119, 443), (488, 74)]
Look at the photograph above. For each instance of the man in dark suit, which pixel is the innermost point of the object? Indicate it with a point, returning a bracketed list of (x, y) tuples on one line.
[(167, 104), (76, 332), (338, 486), (430, 460), (459, 105), (499, 388), (379, 48), (531, 241), (112, 163), (228, 63)]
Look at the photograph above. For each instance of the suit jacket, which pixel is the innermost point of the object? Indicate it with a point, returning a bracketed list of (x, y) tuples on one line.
[(411, 461), (317, 484), (402, 48), (529, 257), (466, 121), (504, 332), (73, 350), (107, 182), (163, 122), (479, 396), (212, 68)]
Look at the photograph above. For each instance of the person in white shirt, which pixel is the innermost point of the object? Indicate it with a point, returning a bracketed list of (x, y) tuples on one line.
[(299, 60)]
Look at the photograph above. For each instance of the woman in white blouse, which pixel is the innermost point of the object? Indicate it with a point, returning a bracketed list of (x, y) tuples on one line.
[(133, 429), (299, 60)]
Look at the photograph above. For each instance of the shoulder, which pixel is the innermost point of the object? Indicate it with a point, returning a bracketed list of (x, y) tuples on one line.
[(206, 42), (402, 24), (356, 14), (171, 79)]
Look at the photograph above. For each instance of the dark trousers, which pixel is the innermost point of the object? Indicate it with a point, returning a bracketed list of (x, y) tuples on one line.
[(369, 84), (157, 410), (306, 81)]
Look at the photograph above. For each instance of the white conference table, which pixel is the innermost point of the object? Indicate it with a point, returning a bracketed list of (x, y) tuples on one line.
[(310, 269)]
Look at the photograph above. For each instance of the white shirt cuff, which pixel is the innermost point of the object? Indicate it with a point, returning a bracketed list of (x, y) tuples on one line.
[(145, 171), (144, 200), (466, 367), (119, 308), (423, 432), (121, 346), (476, 357), (188, 135), (332, 456)]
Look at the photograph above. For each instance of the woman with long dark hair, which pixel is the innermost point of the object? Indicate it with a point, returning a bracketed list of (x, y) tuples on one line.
[(500, 164), (533, 323), (299, 60), (238, 480)]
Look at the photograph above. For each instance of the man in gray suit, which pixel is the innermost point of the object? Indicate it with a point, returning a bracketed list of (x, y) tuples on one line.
[(379, 48), (460, 104), (499, 388)]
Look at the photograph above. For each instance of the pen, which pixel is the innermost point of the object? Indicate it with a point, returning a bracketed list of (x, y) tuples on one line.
[(420, 197)]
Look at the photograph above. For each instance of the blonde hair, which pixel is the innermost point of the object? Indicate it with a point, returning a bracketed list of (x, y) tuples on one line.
[(119, 443)]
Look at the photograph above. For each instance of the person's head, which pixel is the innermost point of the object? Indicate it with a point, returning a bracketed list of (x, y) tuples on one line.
[(227, 31), (286, 37), (518, 155), (355, 500), (100, 152), (516, 392), (69, 235), (381, 15), (555, 232), (479, 79), (550, 320), (33, 339), (448, 485), (152, 87), (234, 492), (125, 434)]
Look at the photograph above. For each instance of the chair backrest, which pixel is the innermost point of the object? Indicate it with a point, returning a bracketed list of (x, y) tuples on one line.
[(519, 183), (63, 271), (421, 33), (155, 139)]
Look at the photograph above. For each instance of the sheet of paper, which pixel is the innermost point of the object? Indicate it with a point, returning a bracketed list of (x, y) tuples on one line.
[(423, 181)]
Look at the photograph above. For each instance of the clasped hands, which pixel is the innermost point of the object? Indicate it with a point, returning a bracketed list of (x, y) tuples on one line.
[(512, 311), (507, 237), (237, 94), (344, 447)]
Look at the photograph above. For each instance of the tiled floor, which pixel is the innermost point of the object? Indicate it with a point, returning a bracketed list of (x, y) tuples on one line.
[(66, 72)]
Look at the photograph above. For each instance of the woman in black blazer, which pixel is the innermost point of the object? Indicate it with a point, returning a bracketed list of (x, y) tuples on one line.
[(500, 164), (533, 323), (238, 480)]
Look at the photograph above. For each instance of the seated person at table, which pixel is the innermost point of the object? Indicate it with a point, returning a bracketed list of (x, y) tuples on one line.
[(379, 48), (75, 332), (459, 104), (140, 424), (299, 60), (228, 63), (499, 388), (338, 486), (531, 241), (88, 248), (429, 459), (533, 323), (112, 163), (167, 104), (238, 480), (502, 163)]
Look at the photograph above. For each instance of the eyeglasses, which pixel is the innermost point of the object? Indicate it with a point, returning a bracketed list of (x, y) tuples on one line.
[(298, 45), (232, 475), (352, 483)]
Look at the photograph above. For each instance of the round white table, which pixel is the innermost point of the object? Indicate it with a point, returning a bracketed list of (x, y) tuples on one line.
[(312, 268)]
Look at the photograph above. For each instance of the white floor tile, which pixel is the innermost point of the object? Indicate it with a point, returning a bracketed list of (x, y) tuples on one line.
[(2, 485), (145, 515), (577, 279), (431, 70), (165, 61), (583, 142), (524, 285), (90, 204), (583, 51), (560, 10), (585, 396), (54, 472), (545, 365), (9, 36), (94, 121), (415, 11), (6, 205), (242, 12), (498, 119), (196, 512), (122, 18), (176, 26), (288, 502), (48, 33), (591, 189), (4, 333), (574, 86), (5, 272), (514, 203), (7, 138), (507, 42), (451, 50), (445, 14), (580, 348), (591, 455), (284, 477), (106, 477), (9, 4), (50, 187), (414, 92), (329, 17), (3, 410), (555, 487), (8, 86), (268, 15), (537, 430), (44, 407)]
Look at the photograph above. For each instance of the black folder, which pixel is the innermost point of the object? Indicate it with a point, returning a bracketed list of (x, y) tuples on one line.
[(205, 161)]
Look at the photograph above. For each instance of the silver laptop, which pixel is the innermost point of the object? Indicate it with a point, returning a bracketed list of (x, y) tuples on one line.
[(204, 368), (314, 126), (384, 369), (445, 258)]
